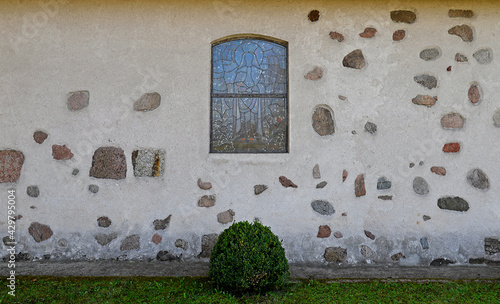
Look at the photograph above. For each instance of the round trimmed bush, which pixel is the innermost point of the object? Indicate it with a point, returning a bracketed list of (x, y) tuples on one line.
[(248, 258)]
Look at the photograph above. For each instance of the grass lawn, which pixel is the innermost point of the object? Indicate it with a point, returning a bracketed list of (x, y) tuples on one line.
[(201, 290)]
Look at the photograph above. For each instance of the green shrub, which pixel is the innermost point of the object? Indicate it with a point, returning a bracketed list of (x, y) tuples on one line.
[(248, 258)]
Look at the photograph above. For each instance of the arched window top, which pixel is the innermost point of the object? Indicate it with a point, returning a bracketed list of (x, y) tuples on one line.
[(249, 95)]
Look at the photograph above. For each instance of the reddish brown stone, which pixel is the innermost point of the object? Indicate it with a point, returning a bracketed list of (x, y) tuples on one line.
[(452, 121), (368, 33), (439, 170), (403, 16), (354, 60), (40, 232), (315, 74), (425, 100), (11, 162), (463, 31), (399, 35), (359, 186), (156, 239), (474, 95), (324, 231), (286, 182), (451, 147), (204, 185), (344, 175), (109, 162), (337, 36), (323, 122), (206, 201), (61, 152), (104, 222), (313, 15), (459, 13), (448, 68), (369, 235), (78, 100), (40, 136)]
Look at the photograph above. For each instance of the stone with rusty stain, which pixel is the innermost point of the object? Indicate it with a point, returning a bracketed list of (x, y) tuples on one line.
[(104, 222), (314, 74), (461, 58), (344, 175), (430, 54), (11, 163), (148, 102), (148, 162), (131, 242), (61, 152), (104, 239), (438, 170), (483, 56), (425, 100), (162, 224), (463, 31), (337, 36), (426, 80), (207, 244), (369, 235), (354, 60), (452, 121), (40, 136), (258, 189), (225, 217), (369, 32), (156, 239), (324, 231), (40, 232), (460, 13), (403, 16), (206, 201), (316, 172), (359, 185), (322, 121), (204, 185), (109, 163), (335, 254), (474, 93), (78, 100), (478, 179), (399, 35), (453, 203), (451, 147), (286, 182), (313, 15)]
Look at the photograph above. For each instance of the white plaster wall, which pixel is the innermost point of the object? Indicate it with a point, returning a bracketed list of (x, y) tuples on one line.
[(118, 51)]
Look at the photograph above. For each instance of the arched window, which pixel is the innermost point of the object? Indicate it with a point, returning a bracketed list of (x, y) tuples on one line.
[(249, 95)]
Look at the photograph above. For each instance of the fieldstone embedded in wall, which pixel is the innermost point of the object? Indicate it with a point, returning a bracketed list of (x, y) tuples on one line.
[(335, 254), (148, 102), (420, 186), (483, 56), (367, 252), (11, 163), (315, 74), (75, 172), (131, 242), (385, 197), (207, 244), (258, 189), (453, 203), (337, 36), (313, 15), (94, 188), (452, 121), (164, 255), (451, 148), (225, 217), (321, 185), (109, 162), (369, 235), (156, 239), (206, 201), (461, 58), (403, 16), (162, 224), (359, 185), (104, 239), (425, 100), (104, 222), (370, 127), (369, 32), (322, 121), (40, 232), (61, 152), (398, 35), (204, 185), (344, 175), (383, 184), (426, 217), (441, 262), (40, 136), (430, 54), (148, 162), (285, 182), (354, 60), (78, 100), (427, 81), (322, 207), (33, 191), (496, 119), (491, 246), (459, 13), (424, 243), (439, 170), (338, 234), (324, 231), (463, 31), (474, 93), (180, 243), (396, 257), (478, 179)]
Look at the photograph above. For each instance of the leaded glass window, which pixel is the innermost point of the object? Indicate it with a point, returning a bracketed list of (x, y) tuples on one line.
[(249, 95)]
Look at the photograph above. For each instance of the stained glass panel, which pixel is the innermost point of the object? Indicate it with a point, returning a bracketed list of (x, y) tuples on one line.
[(249, 97)]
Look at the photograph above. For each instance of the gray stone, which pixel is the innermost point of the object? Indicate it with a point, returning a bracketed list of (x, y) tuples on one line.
[(321, 185), (316, 173), (206, 201), (367, 252), (425, 100), (441, 262), (225, 217), (11, 163), (383, 184), (109, 162), (459, 13), (207, 244), (403, 16), (370, 127), (165, 256), (463, 31), (430, 54), (354, 60), (338, 234), (104, 222), (461, 58), (426, 217), (420, 186), (204, 185), (453, 203), (496, 119), (33, 191), (452, 121), (183, 244), (148, 162), (75, 172), (162, 224), (428, 81), (315, 74), (131, 242), (94, 188), (335, 254), (78, 100), (258, 189), (104, 239), (478, 179), (424, 243), (9, 241), (40, 232), (491, 246), (483, 56), (396, 257), (323, 207), (62, 243), (20, 257), (385, 197), (148, 102), (322, 121)]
